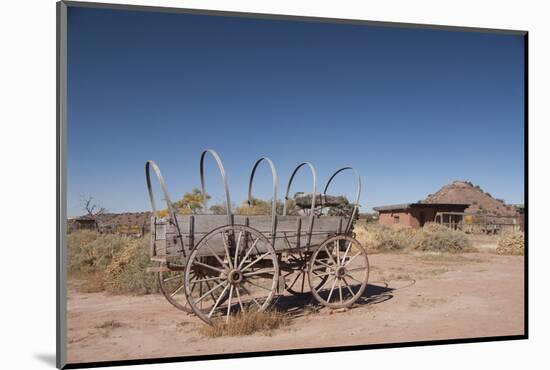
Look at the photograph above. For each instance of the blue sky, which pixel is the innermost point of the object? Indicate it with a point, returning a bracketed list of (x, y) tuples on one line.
[(410, 109)]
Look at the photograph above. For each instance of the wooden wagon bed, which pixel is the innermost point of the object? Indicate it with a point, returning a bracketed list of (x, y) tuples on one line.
[(291, 232)]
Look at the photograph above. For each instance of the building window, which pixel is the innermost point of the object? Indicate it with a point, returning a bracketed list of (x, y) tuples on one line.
[(395, 219)]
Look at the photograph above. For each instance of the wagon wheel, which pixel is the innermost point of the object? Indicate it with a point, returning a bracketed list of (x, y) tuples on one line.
[(295, 280), (344, 262), (240, 266), (171, 284)]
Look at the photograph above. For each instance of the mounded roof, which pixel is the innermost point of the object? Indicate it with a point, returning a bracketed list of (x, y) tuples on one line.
[(404, 206)]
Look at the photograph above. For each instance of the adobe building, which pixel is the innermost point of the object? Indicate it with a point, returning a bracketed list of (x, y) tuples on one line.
[(130, 223), (417, 214)]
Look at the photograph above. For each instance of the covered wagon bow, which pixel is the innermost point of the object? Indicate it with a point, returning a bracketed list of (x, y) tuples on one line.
[(216, 266)]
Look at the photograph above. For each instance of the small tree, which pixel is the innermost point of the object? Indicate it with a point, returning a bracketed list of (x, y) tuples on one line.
[(92, 209), (191, 203), (218, 209)]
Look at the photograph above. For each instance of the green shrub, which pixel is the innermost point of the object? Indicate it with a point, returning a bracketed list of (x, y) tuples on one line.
[(438, 238), (512, 242)]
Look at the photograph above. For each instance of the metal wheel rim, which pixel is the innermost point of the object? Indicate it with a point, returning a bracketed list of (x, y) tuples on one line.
[(170, 295), (232, 296), (332, 280)]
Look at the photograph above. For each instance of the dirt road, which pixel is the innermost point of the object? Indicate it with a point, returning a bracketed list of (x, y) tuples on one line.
[(411, 297)]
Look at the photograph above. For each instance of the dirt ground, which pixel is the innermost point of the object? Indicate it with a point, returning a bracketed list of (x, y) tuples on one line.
[(410, 297)]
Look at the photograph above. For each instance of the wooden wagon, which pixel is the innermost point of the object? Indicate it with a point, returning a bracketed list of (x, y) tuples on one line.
[(218, 265)]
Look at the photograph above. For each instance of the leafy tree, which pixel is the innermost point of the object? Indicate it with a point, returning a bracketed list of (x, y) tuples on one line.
[(218, 209), (191, 203), (258, 207)]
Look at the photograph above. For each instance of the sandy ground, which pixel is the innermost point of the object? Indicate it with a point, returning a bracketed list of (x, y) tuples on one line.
[(411, 297)]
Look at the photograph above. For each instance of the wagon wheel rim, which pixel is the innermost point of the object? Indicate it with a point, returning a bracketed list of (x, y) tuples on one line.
[(241, 267), (171, 285), (296, 280), (345, 263)]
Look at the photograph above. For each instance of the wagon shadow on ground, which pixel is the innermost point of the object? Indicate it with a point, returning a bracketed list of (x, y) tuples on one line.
[(302, 305)]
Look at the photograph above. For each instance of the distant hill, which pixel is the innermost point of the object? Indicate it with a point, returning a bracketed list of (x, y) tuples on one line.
[(467, 193)]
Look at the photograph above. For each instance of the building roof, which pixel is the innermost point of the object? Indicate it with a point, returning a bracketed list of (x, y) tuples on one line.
[(405, 206)]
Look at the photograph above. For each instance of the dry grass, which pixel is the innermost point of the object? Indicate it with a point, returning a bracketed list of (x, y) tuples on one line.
[(110, 324), (380, 238), (438, 238), (126, 272), (431, 238), (246, 323), (91, 282), (511, 243), (111, 262)]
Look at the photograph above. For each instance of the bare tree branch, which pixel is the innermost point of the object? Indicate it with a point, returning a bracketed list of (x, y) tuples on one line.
[(92, 209)]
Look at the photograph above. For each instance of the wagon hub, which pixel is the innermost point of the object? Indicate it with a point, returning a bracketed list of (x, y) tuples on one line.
[(341, 272), (235, 276)]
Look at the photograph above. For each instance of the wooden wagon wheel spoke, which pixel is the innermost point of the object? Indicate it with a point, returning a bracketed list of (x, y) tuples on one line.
[(222, 263), (226, 248), (337, 247), (324, 264), (208, 266), (239, 298), (339, 269), (229, 301), (331, 289), (325, 274), (237, 248), (166, 279), (255, 261), (293, 282), (180, 276), (177, 290), (248, 292), (299, 264), (248, 253), (332, 277), (358, 254), (329, 254), (258, 272), (346, 252), (218, 300), (210, 287), (206, 279), (210, 291), (347, 286), (242, 273)]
